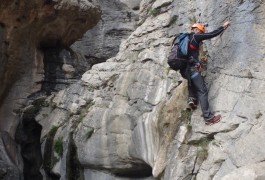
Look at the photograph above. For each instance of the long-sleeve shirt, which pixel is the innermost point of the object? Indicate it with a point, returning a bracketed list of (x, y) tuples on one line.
[(196, 39)]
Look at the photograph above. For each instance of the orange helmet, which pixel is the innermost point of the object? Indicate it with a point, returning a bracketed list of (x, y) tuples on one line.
[(200, 26)]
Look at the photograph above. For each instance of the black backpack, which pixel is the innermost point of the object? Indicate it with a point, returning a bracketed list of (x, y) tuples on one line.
[(178, 56)]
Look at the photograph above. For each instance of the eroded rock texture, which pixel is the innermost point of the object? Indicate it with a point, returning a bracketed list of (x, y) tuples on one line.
[(126, 118), (10, 162), (26, 29), (129, 109), (118, 21)]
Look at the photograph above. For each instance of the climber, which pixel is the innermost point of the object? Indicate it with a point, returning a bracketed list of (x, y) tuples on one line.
[(197, 87)]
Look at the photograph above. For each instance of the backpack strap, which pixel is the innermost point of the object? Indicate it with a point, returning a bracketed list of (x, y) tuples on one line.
[(174, 40), (192, 46)]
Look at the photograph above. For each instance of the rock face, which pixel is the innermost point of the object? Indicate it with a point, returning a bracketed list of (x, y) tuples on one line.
[(126, 117), (118, 21), (28, 137), (234, 71), (35, 24), (10, 163), (26, 29)]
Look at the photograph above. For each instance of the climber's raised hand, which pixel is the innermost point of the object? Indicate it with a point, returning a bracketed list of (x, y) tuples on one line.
[(226, 24)]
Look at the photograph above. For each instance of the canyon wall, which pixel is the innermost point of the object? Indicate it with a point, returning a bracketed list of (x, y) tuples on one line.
[(126, 117)]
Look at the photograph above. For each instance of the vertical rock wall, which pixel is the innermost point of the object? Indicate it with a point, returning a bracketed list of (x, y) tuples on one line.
[(235, 81), (25, 28), (116, 112), (10, 163), (128, 112), (35, 24), (125, 118), (118, 22)]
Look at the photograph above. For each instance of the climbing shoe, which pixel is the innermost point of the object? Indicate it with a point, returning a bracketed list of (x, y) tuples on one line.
[(213, 120), (192, 103)]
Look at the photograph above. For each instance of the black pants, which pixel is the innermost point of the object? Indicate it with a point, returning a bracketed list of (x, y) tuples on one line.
[(197, 89)]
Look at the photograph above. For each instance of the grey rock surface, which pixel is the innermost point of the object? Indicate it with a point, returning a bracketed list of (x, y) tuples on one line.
[(131, 106), (127, 119), (36, 24), (26, 28), (10, 163), (118, 21), (232, 78)]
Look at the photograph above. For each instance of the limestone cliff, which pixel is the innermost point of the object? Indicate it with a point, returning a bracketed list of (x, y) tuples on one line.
[(126, 119), (26, 29)]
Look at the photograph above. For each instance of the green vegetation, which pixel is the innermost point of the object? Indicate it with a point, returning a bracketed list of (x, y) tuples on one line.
[(192, 19), (154, 12), (80, 118), (202, 151), (89, 132), (173, 20), (185, 119), (81, 114), (202, 144), (258, 115), (48, 158), (58, 146), (53, 129), (189, 127), (185, 116), (203, 58), (83, 111)]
